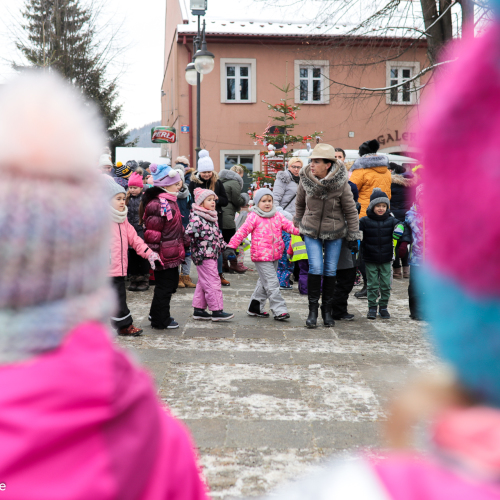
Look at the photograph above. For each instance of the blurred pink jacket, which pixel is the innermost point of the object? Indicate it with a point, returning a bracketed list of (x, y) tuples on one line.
[(83, 422)]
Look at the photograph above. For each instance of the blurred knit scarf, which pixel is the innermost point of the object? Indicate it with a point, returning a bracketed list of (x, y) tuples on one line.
[(210, 215), (117, 216)]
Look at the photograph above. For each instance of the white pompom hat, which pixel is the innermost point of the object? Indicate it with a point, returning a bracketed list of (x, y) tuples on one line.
[(205, 163)]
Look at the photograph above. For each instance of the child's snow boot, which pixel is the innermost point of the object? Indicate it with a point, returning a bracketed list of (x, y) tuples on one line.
[(221, 316), (201, 314), (254, 310), (372, 313), (384, 313)]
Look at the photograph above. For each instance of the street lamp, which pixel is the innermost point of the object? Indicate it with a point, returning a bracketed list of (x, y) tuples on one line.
[(203, 63), (192, 74)]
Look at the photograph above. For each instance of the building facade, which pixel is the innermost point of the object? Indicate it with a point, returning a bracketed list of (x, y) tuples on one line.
[(254, 56)]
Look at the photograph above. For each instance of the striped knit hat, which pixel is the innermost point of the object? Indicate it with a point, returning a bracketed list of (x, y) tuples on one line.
[(54, 229), (122, 170)]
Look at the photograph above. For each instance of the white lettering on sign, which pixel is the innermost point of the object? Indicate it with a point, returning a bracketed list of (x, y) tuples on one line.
[(3, 486)]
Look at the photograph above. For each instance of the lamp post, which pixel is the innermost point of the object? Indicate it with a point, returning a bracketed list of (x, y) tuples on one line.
[(202, 64)]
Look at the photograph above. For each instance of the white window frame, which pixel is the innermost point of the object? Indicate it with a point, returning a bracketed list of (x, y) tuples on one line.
[(414, 95), (325, 74), (252, 79), (240, 152)]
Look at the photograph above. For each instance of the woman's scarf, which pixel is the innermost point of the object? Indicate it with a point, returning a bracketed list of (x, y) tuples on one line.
[(165, 209), (210, 215), (117, 216), (295, 178), (261, 212)]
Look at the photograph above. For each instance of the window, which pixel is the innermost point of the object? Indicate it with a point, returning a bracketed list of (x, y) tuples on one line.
[(246, 161), (238, 80), (401, 74), (311, 82)]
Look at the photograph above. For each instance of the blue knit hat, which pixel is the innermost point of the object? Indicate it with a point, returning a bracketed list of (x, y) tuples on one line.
[(164, 175)]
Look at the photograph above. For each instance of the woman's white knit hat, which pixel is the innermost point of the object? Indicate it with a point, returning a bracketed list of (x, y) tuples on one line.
[(205, 163)]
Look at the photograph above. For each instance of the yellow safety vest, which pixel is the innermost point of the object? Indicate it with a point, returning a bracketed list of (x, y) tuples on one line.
[(299, 249)]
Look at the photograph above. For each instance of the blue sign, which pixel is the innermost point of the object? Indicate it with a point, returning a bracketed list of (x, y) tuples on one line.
[(184, 129)]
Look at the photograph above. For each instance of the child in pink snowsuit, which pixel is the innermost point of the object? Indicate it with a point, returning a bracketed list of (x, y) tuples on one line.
[(79, 419), (265, 223), (207, 244), (123, 236)]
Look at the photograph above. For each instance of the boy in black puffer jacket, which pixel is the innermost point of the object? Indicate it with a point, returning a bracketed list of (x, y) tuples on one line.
[(378, 227)]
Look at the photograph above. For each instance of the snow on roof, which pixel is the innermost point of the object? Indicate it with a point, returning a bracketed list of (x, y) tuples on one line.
[(306, 18)]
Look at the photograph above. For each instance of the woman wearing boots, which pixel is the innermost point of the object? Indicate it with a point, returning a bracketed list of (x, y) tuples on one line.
[(325, 213)]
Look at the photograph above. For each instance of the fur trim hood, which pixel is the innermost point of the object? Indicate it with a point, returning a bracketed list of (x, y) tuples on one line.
[(231, 175), (371, 161), (150, 194), (320, 189), (406, 180), (284, 176)]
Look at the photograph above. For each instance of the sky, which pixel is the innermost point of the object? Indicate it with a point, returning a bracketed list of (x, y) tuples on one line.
[(140, 66)]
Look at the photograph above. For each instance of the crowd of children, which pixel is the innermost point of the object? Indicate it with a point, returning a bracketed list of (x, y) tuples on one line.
[(169, 222)]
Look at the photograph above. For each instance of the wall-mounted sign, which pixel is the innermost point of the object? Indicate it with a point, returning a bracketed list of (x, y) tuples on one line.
[(163, 134), (184, 129), (396, 137)]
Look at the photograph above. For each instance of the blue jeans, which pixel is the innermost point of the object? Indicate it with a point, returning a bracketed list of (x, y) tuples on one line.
[(326, 266), (219, 264)]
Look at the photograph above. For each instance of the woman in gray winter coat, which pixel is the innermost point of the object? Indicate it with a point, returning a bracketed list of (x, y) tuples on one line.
[(285, 194), (233, 184)]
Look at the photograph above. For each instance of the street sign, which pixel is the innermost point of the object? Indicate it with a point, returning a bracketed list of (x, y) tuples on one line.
[(184, 129), (163, 135)]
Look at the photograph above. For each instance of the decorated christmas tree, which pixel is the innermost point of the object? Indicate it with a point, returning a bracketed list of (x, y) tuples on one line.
[(278, 138)]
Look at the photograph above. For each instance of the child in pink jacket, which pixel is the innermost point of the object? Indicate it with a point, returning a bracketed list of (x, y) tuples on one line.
[(123, 235), (79, 419), (265, 223), (207, 244)]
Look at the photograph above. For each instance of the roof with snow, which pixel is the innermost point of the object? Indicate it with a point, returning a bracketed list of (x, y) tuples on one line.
[(303, 18)]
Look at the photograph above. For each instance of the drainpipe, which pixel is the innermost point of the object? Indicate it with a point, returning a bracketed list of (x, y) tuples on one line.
[(190, 94)]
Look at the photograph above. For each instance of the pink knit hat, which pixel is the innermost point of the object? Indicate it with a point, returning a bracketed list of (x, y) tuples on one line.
[(200, 195), (135, 180)]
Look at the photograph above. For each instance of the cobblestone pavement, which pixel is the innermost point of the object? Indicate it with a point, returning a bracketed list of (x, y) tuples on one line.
[(268, 400)]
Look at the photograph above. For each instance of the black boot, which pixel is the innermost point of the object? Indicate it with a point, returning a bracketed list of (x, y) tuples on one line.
[(363, 293), (313, 294), (327, 301)]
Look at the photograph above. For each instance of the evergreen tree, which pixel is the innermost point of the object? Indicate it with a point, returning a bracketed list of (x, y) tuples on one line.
[(279, 138), (61, 35)]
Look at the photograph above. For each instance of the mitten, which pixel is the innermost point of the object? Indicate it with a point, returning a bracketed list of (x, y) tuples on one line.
[(229, 253), (353, 246), (152, 257), (403, 248)]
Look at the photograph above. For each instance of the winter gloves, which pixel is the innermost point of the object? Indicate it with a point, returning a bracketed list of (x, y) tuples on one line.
[(152, 257), (229, 254)]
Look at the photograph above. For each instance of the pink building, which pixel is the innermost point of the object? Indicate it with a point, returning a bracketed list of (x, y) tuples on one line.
[(255, 46)]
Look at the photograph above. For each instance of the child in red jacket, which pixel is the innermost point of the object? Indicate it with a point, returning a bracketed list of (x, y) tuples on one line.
[(123, 235), (165, 234)]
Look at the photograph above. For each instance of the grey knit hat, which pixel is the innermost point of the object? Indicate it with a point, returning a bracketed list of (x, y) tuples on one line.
[(378, 196), (112, 187), (260, 193)]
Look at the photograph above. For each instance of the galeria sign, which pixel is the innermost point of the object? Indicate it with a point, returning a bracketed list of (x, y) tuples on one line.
[(163, 135)]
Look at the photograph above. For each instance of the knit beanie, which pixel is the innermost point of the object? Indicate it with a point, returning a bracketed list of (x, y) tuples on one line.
[(378, 196), (200, 195), (369, 147), (461, 272), (260, 193), (112, 187), (183, 160), (136, 180), (122, 170), (105, 160), (164, 175), (205, 163), (54, 225)]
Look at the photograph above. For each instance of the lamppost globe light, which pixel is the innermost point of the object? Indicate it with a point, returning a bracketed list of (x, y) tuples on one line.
[(192, 74), (204, 62)]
